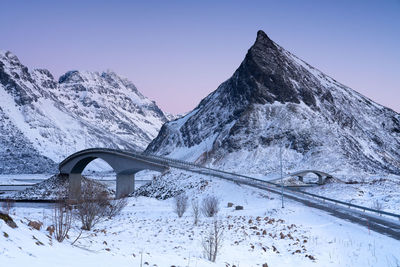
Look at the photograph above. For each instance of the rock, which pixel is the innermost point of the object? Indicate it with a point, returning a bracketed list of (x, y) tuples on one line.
[(230, 204), (8, 220), (239, 208), (50, 229), (35, 225)]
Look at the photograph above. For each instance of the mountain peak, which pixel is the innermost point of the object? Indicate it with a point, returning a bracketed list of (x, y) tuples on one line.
[(261, 35), (263, 40)]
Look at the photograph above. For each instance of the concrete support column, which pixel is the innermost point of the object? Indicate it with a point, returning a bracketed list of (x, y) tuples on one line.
[(320, 181), (125, 185), (75, 180)]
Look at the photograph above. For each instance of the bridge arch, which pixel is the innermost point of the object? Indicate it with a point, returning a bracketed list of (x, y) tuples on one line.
[(322, 176), (124, 164)]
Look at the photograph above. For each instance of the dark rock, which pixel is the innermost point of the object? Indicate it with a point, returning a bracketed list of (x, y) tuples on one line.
[(8, 220)]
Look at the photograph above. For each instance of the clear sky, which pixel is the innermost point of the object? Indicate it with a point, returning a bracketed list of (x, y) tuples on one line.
[(177, 52)]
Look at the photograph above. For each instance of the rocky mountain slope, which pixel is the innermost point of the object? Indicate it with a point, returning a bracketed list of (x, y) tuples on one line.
[(275, 101), (42, 120)]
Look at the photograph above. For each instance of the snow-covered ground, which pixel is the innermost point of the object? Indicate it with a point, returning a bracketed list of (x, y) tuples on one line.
[(149, 229), (15, 179), (377, 192)]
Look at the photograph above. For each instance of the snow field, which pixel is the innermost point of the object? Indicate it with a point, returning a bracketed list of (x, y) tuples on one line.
[(149, 229)]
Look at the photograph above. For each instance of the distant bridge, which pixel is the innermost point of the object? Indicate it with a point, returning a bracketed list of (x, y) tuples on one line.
[(322, 176), (126, 164)]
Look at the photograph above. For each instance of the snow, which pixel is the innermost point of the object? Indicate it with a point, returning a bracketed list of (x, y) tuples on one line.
[(149, 229), (15, 179), (365, 191), (191, 154)]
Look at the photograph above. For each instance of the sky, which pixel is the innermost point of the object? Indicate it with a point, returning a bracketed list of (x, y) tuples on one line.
[(177, 52)]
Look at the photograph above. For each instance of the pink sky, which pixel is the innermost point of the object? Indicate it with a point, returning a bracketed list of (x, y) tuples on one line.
[(177, 52)]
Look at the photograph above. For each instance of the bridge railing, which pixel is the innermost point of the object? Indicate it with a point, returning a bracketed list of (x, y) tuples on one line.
[(347, 204)]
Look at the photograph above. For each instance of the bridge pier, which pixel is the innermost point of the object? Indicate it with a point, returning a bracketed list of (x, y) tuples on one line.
[(75, 180), (125, 185), (320, 180)]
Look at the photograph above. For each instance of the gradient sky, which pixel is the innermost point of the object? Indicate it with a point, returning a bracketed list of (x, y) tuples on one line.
[(177, 52)]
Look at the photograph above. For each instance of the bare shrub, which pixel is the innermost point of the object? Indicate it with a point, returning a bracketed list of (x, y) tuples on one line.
[(196, 211), (212, 242), (210, 206), (181, 203), (93, 204), (377, 205), (7, 206), (116, 206), (62, 220)]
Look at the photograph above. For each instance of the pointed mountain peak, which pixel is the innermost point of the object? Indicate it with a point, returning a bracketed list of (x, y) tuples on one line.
[(261, 35), (263, 51), (263, 40)]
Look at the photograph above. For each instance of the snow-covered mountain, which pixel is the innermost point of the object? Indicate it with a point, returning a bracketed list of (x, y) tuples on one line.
[(274, 100), (42, 120)]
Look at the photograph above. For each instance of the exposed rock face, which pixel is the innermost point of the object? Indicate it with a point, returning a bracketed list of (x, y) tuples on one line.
[(42, 120), (276, 100)]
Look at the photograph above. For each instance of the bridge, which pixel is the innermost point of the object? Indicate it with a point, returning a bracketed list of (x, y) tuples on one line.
[(322, 176), (127, 163), (124, 164)]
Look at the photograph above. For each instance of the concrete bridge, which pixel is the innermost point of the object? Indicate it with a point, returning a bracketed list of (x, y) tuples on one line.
[(124, 164), (322, 176)]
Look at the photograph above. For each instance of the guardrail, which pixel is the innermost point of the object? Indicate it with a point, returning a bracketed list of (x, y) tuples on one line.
[(350, 205), (248, 180)]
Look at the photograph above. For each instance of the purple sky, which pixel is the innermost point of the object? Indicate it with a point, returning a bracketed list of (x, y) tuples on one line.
[(177, 52)]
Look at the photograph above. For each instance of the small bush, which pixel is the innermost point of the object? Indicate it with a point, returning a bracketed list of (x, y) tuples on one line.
[(93, 205), (181, 202), (377, 205), (62, 220), (212, 242), (196, 211), (210, 206), (116, 206), (7, 206)]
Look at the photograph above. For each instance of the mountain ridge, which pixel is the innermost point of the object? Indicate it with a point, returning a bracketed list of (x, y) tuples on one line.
[(53, 118)]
